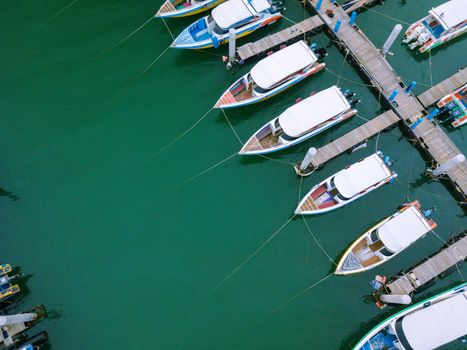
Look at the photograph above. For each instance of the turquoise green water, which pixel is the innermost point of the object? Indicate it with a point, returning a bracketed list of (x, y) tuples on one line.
[(128, 262)]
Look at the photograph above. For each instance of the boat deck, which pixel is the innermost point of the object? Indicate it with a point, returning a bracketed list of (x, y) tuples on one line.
[(428, 270), (382, 76), (433, 95), (166, 7)]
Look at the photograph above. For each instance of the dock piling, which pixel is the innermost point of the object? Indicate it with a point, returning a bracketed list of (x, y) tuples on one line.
[(451, 163), (353, 16), (391, 38), (308, 158), (411, 86), (337, 26), (232, 44)]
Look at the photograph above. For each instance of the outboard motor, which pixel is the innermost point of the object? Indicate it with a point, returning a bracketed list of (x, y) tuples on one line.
[(353, 101), (321, 53), (348, 94), (277, 6)]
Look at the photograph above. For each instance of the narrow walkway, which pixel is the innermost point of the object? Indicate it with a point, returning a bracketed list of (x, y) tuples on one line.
[(427, 271), (354, 137), (288, 35), (369, 59), (440, 90)]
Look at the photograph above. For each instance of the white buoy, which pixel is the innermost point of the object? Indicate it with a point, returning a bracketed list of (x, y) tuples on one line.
[(390, 40), (308, 158), (232, 37), (395, 299), (449, 164)]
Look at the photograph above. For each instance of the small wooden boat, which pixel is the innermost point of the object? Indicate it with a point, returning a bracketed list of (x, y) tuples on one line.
[(242, 15), (7, 289), (429, 324), (12, 325), (385, 240), (273, 75), (346, 186), (455, 104), (303, 120), (443, 23), (183, 8)]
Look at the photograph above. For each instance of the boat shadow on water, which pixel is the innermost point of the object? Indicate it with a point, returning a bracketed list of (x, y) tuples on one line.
[(8, 194)]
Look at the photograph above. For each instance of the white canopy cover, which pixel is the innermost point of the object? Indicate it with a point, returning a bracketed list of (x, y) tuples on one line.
[(403, 229), (312, 111), (231, 12), (361, 175), (438, 324), (272, 69), (450, 13), (260, 5)]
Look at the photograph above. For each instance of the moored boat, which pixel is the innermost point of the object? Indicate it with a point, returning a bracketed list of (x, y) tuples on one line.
[(272, 75), (455, 104), (347, 185), (183, 8), (443, 23), (386, 239), (429, 324), (303, 120), (242, 15), (7, 289)]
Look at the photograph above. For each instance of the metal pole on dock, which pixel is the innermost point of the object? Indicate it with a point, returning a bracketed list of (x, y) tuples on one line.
[(318, 4), (337, 26), (353, 16), (391, 38), (411, 86), (393, 96), (308, 158), (232, 37), (451, 163)]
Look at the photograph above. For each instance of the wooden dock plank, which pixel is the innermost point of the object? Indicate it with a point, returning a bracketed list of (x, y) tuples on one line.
[(429, 269), (355, 137), (438, 91)]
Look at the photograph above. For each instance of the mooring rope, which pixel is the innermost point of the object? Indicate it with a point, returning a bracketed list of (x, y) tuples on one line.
[(317, 242), (431, 71), (442, 240), (231, 127), (60, 12), (152, 63), (249, 257), (300, 294), (170, 32), (275, 160), (201, 173), (342, 68), (125, 38), (179, 136), (349, 80), (387, 16)]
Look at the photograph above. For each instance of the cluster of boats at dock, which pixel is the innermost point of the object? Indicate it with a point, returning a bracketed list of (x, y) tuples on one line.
[(427, 324), (13, 327)]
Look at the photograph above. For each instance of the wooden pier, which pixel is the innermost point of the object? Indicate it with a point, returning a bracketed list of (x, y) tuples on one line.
[(354, 137), (440, 90), (289, 35), (422, 274), (382, 76), (274, 41)]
